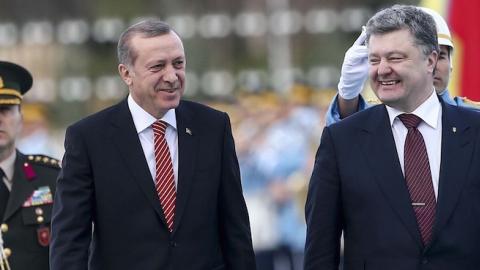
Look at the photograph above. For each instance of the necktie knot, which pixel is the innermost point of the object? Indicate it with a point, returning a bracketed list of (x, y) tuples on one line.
[(410, 120), (159, 127)]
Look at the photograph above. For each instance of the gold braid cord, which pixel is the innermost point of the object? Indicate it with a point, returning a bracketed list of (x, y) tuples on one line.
[(4, 265)]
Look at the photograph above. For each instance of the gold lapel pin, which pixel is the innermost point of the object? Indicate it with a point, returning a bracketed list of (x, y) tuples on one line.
[(454, 129), (188, 131)]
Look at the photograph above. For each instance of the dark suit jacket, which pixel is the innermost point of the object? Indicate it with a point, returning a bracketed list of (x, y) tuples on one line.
[(357, 186), (26, 227), (105, 180)]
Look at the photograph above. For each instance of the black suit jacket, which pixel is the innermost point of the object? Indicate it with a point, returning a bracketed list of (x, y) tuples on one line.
[(357, 186), (26, 227), (105, 181)]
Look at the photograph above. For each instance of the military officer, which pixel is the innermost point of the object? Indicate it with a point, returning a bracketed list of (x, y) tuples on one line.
[(28, 181)]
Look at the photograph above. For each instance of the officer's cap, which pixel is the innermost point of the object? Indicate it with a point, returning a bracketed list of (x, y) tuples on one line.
[(15, 81)]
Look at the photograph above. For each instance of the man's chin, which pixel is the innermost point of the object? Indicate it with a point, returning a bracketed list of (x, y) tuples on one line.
[(387, 99), (440, 89), (3, 144), (6, 147), (172, 104)]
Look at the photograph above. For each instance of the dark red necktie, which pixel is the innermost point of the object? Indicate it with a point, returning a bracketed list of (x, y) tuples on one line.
[(419, 177), (164, 178)]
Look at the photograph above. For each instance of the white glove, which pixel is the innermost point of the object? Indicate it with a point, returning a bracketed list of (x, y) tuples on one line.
[(354, 69)]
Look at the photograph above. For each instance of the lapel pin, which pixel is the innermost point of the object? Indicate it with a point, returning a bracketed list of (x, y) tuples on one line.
[(188, 131), (454, 129)]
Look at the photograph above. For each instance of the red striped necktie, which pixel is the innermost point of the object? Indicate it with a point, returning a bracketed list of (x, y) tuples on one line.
[(418, 177), (164, 177)]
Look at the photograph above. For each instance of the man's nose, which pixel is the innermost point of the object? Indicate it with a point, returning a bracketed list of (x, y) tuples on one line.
[(170, 75), (384, 67)]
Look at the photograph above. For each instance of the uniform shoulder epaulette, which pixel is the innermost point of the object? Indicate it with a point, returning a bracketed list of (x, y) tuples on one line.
[(44, 160), (470, 102)]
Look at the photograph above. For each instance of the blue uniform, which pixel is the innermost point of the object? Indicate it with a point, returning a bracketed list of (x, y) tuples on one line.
[(333, 112)]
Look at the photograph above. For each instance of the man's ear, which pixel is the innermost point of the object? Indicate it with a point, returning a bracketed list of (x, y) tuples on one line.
[(432, 61), (125, 73)]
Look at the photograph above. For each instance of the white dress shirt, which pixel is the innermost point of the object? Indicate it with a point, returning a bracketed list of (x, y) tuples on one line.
[(431, 129), (143, 123)]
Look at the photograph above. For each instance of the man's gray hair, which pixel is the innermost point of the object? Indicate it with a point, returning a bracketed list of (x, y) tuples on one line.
[(147, 28), (420, 24)]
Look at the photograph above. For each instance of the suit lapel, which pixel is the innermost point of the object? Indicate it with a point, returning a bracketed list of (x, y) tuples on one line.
[(22, 188), (125, 137), (380, 151), (457, 150), (187, 152)]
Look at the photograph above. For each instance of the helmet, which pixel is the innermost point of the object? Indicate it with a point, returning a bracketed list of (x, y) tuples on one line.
[(443, 33)]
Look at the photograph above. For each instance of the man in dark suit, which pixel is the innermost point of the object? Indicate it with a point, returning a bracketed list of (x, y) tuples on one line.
[(152, 182), (27, 182), (401, 180)]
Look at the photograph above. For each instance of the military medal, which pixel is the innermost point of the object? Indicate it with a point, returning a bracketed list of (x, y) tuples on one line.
[(43, 236), (41, 196)]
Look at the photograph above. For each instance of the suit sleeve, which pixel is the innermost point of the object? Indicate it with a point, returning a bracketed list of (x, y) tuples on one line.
[(323, 210), (72, 208), (234, 222)]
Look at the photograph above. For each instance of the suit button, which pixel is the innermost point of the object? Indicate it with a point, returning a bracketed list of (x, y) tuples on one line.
[(7, 252), (173, 244), (4, 228)]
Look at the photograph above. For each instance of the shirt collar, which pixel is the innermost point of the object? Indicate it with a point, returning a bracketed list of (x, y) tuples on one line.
[(428, 111), (144, 120), (8, 165)]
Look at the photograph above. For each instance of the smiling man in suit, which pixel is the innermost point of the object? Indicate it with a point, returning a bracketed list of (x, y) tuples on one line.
[(401, 180), (152, 182)]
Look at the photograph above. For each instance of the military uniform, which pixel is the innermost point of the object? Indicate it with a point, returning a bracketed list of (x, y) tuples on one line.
[(26, 221), (27, 183), (460, 101)]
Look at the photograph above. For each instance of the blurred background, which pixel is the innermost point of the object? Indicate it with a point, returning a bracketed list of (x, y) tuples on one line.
[(273, 65)]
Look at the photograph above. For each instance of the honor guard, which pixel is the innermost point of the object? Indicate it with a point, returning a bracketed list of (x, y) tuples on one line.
[(27, 181)]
